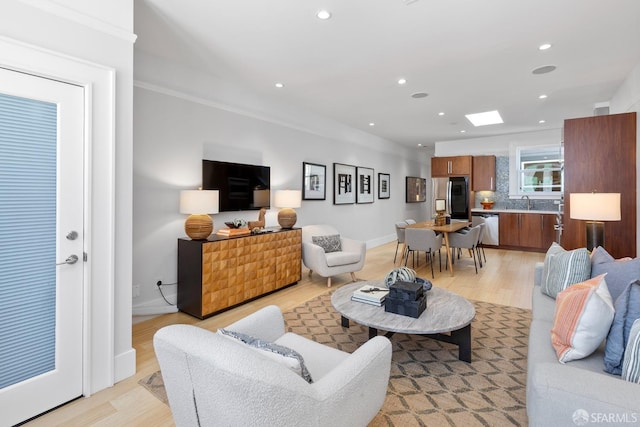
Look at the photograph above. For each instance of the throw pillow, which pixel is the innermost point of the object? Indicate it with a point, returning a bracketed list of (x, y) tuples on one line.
[(564, 269), (553, 250), (631, 365), (619, 272), (584, 313), (330, 243), (281, 354), (627, 311), (600, 255)]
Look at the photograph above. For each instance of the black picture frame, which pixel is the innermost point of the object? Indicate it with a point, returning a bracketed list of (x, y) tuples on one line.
[(416, 189), (344, 184), (384, 186), (314, 181), (365, 187)]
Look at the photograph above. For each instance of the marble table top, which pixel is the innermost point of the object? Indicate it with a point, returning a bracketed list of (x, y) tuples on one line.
[(445, 311)]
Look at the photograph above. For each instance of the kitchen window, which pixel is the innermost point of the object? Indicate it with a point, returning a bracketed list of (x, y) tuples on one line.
[(537, 171)]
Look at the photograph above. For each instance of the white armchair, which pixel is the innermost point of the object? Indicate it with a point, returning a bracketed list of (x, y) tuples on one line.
[(212, 380), (349, 259)]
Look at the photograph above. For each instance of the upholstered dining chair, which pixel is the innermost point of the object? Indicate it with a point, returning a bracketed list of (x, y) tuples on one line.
[(479, 246), (400, 226), (466, 240), (328, 253), (253, 373), (423, 239)]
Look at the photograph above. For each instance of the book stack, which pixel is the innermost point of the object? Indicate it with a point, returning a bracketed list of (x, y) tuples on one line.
[(370, 295), (233, 232)]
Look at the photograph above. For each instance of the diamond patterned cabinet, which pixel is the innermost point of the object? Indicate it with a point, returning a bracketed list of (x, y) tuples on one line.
[(219, 273)]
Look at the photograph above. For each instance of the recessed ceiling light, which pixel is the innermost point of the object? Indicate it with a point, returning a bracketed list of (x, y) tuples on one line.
[(402, 81), (544, 46), (323, 14), (544, 69), (279, 85), (371, 124), (484, 119), (419, 95), (543, 96), (542, 121), (419, 145), (463, 131), (441, 113)]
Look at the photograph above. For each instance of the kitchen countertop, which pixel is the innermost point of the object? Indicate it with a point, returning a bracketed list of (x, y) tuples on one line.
[(496, 211)]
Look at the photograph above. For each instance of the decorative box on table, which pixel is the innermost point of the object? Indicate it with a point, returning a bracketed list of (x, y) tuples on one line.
[(406, 299)]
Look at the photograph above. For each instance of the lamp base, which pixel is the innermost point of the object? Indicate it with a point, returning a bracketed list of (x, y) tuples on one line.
[(287, 218), (595, 234), (198, 227)]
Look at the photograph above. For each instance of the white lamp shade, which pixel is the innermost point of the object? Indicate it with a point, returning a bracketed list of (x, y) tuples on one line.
[(199, 201), (440, 205), (595, 206), (288, 198)]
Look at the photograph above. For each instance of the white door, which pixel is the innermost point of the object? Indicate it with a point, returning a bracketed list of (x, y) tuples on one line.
[(41, 231)]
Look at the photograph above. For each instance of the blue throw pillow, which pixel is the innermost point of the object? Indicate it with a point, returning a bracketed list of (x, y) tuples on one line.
[(619, 273), (627, 310)]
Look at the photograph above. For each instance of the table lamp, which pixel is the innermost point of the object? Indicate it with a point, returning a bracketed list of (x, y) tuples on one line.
[(198, 204), (595, 208), (287, 200)]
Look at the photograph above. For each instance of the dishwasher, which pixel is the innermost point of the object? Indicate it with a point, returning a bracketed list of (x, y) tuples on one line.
[(491, 230)]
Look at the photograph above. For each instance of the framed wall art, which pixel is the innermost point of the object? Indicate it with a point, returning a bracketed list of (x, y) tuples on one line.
[(314, 180), (384, 186), (416, 189), (344, 184), (364, 188)]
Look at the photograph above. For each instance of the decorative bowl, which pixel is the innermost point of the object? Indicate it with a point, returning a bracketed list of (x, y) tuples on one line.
[(487, 205)]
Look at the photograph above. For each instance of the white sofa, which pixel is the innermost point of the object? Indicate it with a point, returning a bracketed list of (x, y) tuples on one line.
[(556, 393), (349, 259), (212, 380)]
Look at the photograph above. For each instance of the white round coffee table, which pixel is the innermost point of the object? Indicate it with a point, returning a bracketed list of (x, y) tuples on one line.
[(446, 313)]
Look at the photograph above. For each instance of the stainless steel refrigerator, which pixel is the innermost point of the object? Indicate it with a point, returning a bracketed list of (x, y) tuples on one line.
[(455, 192)]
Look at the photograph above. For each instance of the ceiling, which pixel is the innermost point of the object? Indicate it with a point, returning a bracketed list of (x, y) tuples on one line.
[(469, 56)]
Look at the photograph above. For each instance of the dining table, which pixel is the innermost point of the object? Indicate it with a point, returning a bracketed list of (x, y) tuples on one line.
[(445, 230)]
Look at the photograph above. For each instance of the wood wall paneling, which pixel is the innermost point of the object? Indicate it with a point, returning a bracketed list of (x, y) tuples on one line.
[(600, 154)]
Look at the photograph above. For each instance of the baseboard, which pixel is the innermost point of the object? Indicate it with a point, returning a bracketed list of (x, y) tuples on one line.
[(124, 365), (381, 240), (150, 310)]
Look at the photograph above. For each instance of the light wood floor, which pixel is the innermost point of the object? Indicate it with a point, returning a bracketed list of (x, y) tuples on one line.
[(507, 278)]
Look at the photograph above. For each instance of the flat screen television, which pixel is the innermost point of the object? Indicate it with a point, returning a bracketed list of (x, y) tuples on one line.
[(242, 187)]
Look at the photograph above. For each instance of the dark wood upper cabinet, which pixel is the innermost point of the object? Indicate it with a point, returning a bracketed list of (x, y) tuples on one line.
[(451, 166), (484, 173), (600, 155)]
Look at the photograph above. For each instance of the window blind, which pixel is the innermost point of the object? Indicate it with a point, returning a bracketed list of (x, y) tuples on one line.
[(28, 166)]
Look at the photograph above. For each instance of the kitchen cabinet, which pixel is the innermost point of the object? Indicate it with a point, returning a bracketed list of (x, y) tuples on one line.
[(484, 173), (600, 155), (451, 166), (527, 231)]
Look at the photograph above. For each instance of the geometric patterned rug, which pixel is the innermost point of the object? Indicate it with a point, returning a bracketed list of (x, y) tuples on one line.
[(429, 386)]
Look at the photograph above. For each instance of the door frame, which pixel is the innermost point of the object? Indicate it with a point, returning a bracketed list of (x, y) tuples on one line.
[(99, 365)]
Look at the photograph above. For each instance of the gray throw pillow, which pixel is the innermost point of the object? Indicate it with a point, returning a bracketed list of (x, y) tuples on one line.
[(271, 347), (330, 243), (631, 364), (566, 268)]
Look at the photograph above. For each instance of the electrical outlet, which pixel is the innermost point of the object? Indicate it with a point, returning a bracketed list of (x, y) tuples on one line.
[(136, 291)]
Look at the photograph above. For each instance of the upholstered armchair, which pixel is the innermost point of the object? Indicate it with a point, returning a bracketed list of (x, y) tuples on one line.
[(213, 379), (328, 253)]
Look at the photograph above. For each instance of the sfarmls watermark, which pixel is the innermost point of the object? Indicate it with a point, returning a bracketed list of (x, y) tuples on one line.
[(582, 417)]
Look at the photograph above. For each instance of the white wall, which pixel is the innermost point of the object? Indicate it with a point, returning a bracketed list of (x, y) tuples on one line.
[(81, 31), (626, 100), (497, 145), (173, 132)]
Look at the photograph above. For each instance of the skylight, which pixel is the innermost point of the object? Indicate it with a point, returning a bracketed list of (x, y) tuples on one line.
[(484, 119)]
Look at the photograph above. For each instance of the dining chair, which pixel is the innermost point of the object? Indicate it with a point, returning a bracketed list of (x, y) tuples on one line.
[(423, 239), (468, 240), (410, 221), (480, 246), (400, 226)]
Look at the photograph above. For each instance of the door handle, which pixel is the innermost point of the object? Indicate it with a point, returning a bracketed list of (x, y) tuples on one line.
[(72, 259)]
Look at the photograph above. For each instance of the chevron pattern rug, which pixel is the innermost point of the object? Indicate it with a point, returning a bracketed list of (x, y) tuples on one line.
[(429, 386)]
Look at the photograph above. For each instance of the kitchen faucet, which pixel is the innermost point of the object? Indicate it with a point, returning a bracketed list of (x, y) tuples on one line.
[(528, 202)]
